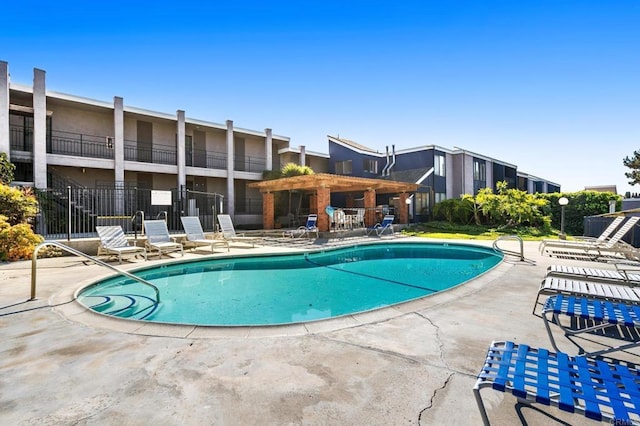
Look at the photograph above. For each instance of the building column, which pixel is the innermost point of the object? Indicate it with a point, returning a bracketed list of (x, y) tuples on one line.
[(39, 129), (118, 138), (303, 155), (268, 150), (370, 207), (403, 217), (231, 197), (323, 199), (268, 207), (5, 145), (118, 153), (181, 153)]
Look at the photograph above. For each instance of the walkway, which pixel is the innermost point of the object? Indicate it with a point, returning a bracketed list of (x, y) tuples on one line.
[(415, 365)]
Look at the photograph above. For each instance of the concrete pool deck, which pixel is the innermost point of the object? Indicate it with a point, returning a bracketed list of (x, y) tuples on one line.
[(414, 364)]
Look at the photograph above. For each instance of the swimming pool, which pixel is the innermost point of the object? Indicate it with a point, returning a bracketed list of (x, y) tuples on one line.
[(292, 288)]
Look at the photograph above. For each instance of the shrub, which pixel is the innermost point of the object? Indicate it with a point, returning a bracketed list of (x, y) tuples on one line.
[(454, 210), (17, 242), (18, 205)]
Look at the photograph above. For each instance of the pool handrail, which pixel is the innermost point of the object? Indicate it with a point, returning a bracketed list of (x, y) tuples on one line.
[(511, 252), (99, 262)]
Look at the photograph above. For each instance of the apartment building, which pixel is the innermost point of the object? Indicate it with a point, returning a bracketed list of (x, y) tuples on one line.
[(442, 173), (61, 140)]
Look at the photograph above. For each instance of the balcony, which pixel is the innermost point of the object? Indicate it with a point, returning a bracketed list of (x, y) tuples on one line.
[(207, 159), (21, 138), (249, 164), (80, 145), (158, 154)]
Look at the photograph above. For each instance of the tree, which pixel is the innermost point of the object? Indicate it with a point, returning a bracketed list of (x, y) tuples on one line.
[(634, 164), (6, 169)]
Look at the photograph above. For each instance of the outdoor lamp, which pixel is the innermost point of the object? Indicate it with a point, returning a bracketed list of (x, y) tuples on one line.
[(563, 201)]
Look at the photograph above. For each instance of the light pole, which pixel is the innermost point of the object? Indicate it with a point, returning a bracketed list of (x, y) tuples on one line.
[(563, 201)]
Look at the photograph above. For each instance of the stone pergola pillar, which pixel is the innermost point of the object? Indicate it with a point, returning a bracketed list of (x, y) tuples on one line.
[(323, 199), (268, 214), (370, 207), (403, 216)]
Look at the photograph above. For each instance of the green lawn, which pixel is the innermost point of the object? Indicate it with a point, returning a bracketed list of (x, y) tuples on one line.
[(446, 230)]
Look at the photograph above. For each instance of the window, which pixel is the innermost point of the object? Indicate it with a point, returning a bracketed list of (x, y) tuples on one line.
[(479, 170), (343, 167), (370, 166), (421, 201), (439, 165), (440, 196)]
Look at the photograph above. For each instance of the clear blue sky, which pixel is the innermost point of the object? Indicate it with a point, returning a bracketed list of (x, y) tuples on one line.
[(551, 86)]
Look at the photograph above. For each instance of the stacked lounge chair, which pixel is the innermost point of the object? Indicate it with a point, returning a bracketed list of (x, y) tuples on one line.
[(598, 250)]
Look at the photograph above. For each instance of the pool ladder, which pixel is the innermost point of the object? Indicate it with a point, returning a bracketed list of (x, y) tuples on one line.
[(34, 266), (520, 254)]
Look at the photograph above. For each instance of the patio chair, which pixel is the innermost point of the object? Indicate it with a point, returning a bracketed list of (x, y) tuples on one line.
[(612, 248), (229, 231), (114, 243), (380, 228), (597, 389), (158, 238), (589, 315), (623, 274), (586, 288), (195, 236), (305, 230)]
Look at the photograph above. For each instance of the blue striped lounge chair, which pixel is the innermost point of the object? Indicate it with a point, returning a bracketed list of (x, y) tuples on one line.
[(597, 389)]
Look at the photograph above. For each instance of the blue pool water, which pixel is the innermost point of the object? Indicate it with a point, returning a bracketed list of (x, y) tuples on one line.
[(282, 289)]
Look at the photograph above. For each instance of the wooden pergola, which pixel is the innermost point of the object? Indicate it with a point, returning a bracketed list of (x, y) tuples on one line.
[(321, 186)]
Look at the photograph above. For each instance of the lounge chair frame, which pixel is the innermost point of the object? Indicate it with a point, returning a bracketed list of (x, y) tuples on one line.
[(310, 227), (623, 274), (195, 236), (229, 231), (586, 288), (612, 248), (380, 227), (113, 242), (158, 238), (593, 315), (595, 388)]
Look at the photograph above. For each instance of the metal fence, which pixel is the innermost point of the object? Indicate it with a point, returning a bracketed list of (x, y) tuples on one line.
[(75, 212)]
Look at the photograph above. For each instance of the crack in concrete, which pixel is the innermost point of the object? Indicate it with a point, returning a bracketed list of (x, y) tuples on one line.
[(438, 339), (433, 396)]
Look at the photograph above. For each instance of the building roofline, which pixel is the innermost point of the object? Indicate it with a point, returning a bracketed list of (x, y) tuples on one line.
[(295, 150)]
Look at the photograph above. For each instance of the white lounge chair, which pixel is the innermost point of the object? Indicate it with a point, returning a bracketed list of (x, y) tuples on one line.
[(158, 238), (229, 231), (612, 248), (624, 273), (113, 242), (195, 236), (588, 288)]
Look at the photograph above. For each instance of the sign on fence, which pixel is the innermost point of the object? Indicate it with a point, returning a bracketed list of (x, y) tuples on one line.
[(160, 198)]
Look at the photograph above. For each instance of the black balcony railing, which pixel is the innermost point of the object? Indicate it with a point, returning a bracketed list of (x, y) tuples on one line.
[(249, 164), (80, 145), (158, 154), (21, 138), (207, 159)]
